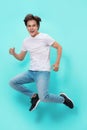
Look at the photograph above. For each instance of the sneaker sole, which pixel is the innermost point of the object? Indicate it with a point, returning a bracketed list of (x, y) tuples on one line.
[(36, 105)]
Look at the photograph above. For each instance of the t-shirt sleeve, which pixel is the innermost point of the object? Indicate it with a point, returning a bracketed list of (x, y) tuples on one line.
[(49, 40), (23, 48)]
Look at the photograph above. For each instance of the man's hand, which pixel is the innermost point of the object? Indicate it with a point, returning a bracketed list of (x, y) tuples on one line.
[(55, 67), (12, 51)]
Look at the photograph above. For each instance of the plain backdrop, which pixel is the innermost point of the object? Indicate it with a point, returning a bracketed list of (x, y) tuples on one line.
[(66, 22)]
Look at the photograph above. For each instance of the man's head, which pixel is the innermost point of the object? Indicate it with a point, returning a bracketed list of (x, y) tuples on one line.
[(32, 23)]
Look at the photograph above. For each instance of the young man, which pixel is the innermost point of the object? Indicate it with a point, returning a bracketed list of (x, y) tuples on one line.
[(38, 45)]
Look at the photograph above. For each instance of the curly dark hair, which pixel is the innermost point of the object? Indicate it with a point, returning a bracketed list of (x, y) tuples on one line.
[(32, 17)]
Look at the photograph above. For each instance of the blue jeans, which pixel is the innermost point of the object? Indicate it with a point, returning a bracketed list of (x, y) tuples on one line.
[(41, 78)]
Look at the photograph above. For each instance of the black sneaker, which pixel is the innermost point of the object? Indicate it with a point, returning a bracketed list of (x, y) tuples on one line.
[(34, 102), (67, 101)]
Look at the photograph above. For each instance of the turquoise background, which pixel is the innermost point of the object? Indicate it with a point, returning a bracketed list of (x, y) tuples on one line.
[(66, 22)]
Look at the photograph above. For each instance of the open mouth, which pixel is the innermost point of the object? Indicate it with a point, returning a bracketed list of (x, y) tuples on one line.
[(31, 31)]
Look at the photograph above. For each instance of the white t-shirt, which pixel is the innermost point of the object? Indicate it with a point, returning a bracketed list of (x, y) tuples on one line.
[(39, 49)]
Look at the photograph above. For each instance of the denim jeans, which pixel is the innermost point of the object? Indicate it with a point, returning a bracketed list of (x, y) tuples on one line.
[(41, 78)]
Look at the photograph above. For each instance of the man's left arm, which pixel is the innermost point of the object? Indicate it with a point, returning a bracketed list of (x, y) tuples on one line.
[(58, 47)]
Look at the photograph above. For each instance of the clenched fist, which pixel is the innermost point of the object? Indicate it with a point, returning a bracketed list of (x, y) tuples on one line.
[(12, 51)]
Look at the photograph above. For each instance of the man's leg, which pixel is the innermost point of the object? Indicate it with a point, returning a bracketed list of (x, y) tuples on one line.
[(42, 85), (42, 82), (18, 81)]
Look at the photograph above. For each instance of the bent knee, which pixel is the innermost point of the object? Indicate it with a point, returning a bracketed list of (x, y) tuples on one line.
[(12, 82), (43, 98)]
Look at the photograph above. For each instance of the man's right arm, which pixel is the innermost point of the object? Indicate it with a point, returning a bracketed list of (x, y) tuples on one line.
[(19, 56)]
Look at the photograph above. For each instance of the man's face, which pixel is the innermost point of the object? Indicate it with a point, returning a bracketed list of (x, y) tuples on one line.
[(32, 27)]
